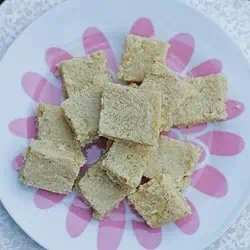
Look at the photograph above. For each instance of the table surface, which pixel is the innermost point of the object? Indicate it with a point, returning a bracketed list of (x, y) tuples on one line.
[(232, 15)]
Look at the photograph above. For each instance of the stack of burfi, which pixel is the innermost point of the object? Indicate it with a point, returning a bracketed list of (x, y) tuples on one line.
[(53, 161), (131, 118)]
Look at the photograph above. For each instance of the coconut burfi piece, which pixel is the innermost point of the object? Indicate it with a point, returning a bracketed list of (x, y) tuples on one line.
[(208, 102), (82, 111), (99, 191), (159, 202), (175, 158), (174, 91), (52, 126), (139, 55), (51, 167), (130, 114), (79, 72), (125, 163)]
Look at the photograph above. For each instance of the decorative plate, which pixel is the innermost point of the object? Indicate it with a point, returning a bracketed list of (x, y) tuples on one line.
[(220, 186)]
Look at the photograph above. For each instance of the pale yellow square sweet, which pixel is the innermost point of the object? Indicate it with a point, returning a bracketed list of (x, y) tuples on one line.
[(82, 111), (79, 72), (99, 191), (51, 167), (140, 53), (207, 104), (175, 158), (125, 163), (130, 114), (174, 91), (159, 202), (52, 126)]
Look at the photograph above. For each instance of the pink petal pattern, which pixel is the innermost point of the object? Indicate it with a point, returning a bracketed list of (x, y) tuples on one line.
[(53, 56), (17, 162), (180, 52), (212, 66), (40, 89), (210, 181), (190, 223), (78, 218), (234, 109), (143, 27), (223, 143), (44, 199), (171, 134), (24, 127), (94, 40), (111, 229), (149, 238), (193, 129)]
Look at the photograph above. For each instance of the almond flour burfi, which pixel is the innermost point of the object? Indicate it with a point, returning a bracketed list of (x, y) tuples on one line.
[(130, 114), (140, 53), (208, 102), (174, 91), (50, 167), (82, 111), (99, 191), (175, 158), (159, 202), (52, 126), (125, 163), (79, 72)]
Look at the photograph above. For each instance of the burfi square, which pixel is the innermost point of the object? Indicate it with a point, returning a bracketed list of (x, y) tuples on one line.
[(130, 114), (159, 202), (52, 126), (140, 53), (51, 167), (174, 91), (125, 163), (207, 104), (82, 111), (176, 158), (99, 191), (79, 72)]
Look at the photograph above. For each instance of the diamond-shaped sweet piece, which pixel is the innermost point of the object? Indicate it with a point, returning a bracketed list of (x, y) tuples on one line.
[(82, 111), (51, 167), (140, 54), (174, 91), (125, 163), (130, 114), (208, 103), (99, 191), (79, 72), (175, 158), (52, 126), (159, 202)]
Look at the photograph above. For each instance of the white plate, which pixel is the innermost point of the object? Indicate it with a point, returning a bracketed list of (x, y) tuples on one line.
[(221, 184)]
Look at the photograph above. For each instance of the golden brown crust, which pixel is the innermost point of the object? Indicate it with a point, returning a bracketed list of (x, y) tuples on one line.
[(130, 114), (52, 126), (125, 163), (99, 191), (174, 92), (175, 158), (139, 55), (82, 111), (51, 167), (207, 104), (159, 202), (79, 72)]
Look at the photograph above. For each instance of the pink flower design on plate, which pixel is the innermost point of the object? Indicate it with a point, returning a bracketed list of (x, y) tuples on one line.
[(215, 142)]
